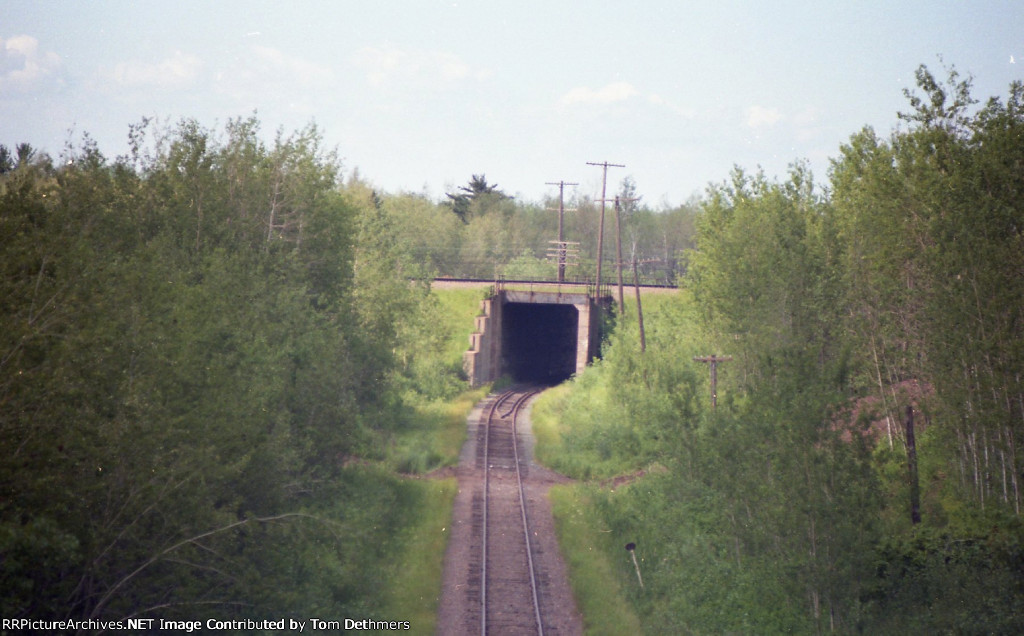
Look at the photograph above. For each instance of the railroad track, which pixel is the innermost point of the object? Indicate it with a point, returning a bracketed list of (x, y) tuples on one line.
[(508, 584)]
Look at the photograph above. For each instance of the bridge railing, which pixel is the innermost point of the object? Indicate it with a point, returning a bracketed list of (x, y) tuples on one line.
[(588, 287)]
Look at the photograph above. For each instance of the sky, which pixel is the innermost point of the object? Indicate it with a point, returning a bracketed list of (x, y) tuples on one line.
[(419, 95)]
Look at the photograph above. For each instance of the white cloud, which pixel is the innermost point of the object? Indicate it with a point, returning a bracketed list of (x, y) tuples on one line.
[(263, 76), (611, 93), (386, 65), (658, 100), (180, 70), (270, 62), (24, 68), (759, 116)]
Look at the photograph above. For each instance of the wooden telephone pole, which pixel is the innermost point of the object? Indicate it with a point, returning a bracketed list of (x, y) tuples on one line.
[(600, 226), (713, 360), (618, 243), (636, 285), (562, 247), (565, 253)]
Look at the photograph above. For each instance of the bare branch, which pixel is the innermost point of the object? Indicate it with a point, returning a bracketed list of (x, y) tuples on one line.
[(191, 540)]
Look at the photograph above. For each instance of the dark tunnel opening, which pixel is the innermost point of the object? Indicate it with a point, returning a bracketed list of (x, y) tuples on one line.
[(539, 342)]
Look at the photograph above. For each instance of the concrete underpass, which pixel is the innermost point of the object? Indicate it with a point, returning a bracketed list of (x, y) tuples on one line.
[(539, 342), (534, 336)]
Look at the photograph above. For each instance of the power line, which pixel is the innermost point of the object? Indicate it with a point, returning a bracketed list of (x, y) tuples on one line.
[(600, 226), (561, 238)]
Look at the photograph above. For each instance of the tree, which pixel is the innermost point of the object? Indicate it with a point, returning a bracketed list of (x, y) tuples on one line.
[(177, 390), (6, 160), (932, 221), (475, 198)]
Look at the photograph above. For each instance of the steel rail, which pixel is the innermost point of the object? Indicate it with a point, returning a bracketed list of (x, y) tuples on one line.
[(522, 508), (513, 412)]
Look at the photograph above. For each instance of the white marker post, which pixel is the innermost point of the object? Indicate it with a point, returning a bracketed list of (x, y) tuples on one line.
[(631, 547)]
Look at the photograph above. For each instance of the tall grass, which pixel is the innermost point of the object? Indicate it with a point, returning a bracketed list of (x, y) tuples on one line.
[(459, 310), (596, 583), (577, 439), (432, 434), (414, 574), (429, 435), (584, 429), (431, 430)]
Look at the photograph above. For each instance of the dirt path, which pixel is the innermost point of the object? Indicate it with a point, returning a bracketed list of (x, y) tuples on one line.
[(459, 611)]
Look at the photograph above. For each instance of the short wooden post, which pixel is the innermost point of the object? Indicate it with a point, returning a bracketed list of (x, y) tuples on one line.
[(631, 547)]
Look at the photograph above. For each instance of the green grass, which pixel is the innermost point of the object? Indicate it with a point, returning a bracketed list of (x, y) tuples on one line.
[(460, 308), (577, 431), (432, 434), (595, 581), (580, 433), (546, 427), (414, 576)]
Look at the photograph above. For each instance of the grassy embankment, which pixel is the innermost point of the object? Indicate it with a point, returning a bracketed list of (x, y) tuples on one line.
[(600, 570), (431, 437), (702, 575)]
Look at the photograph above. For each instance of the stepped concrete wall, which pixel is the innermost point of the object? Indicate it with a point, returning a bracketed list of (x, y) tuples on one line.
[(482, 362), (485, 360)]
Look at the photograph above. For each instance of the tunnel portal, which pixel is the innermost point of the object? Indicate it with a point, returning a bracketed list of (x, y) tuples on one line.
[(539, 342), (535, 336)]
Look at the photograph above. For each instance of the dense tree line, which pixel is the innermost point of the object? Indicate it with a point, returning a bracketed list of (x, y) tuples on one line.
[(196, 338), (932, 224), (204, 341), (788, 508), (481, 232)]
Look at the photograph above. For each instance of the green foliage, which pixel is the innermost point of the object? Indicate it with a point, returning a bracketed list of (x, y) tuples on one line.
[(951, 582), (931, 220), (430, 234), (526, 266), (596, 581), (492, 234), (183, 372), (413, 591), (624, 413), (214, 356), (430, 434), (475, 199), (780, 511)]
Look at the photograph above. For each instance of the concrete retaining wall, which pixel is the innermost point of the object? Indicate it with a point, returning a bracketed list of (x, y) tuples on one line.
[(483, 361)]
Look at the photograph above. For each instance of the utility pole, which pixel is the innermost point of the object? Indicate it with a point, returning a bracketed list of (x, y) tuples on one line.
[(564, 253), (600, 226), (618, 243), (636, 286), (561, 238), (713, 360)]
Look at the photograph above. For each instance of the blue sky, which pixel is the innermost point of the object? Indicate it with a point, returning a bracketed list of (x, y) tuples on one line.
[(419, 95)]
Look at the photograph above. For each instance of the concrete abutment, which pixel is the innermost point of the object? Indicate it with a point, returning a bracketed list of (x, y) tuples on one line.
[(534, 336)]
